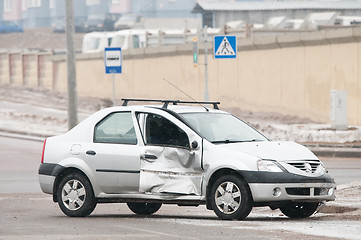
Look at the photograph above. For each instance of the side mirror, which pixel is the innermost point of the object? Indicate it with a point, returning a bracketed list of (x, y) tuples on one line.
[(194, 145)]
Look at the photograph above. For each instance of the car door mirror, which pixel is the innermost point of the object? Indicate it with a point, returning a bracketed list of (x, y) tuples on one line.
[(194, 145)]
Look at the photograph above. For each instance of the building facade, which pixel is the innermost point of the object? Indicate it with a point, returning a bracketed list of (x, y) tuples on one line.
[(12, 10), (44, 13), (216, 14)]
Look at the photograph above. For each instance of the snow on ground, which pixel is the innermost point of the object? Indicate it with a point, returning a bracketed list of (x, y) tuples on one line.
[(306, 133), (302, 130), (42, 112)]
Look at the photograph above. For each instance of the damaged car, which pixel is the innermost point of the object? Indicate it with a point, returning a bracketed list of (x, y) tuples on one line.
[(174, 152)]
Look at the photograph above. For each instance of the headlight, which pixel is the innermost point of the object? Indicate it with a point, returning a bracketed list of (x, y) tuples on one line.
[(268, 166), (321, 169)]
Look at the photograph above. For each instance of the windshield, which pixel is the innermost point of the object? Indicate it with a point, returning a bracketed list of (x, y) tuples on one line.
[(222, 128)]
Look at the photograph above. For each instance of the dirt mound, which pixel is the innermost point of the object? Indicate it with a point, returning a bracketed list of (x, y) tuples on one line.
[(347, 204)]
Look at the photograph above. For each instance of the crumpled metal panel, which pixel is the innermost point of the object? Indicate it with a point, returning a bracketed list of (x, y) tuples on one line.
[(174, 171), (170, 182), (174, 159)]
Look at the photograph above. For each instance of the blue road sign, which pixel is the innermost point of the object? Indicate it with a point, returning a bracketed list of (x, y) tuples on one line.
[(225, 47), (113, 60)]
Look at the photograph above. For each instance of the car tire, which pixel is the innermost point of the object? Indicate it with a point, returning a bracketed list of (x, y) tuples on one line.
[(144, 208), (75, 196), (299, 210), (231, 198)]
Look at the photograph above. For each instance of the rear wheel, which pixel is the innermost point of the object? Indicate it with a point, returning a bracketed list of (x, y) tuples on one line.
[(299, 210), (144, 208), (75, 195), (231, 198)]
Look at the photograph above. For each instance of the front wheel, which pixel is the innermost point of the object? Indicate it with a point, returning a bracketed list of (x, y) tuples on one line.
[(75, 195), (299, 210), (231, 198), (144, 208)]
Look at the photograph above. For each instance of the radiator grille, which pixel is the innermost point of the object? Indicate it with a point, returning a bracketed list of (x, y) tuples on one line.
[(309, 166)]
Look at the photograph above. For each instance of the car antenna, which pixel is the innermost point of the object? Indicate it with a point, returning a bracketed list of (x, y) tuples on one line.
[(185, 94)]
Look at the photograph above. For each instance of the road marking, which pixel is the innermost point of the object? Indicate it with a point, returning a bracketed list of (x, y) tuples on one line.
[(160, 233)]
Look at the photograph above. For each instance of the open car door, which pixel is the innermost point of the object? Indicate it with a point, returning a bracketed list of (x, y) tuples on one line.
[(171, 159)]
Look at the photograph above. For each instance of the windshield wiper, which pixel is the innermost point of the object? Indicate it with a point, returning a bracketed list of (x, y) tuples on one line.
[(236, 141), (227, 141)]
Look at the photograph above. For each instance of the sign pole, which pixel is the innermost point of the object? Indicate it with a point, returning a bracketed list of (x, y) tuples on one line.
[(113, 89), (206, 94)]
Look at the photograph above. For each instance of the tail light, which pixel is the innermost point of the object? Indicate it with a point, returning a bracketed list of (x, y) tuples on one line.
[(42, 155)]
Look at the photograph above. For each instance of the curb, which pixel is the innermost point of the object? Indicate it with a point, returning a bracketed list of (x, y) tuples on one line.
[(22, 135), (336, 152)]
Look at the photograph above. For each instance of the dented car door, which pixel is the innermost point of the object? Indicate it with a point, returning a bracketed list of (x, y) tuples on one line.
[(171, 159)]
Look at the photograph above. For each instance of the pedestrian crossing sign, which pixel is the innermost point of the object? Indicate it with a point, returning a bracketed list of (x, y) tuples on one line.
[(225, 47)]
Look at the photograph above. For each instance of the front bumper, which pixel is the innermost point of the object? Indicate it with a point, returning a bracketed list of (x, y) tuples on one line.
[(315, 192), (270, 187)]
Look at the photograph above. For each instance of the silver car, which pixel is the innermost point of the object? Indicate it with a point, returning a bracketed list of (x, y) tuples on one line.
[(171, 153)]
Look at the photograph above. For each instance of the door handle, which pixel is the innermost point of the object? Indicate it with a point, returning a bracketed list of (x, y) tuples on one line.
[(91, 152), (148, 156)]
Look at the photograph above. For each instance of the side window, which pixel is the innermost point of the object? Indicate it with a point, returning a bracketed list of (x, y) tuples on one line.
[(135, 41), (158, 130), (116, 128)]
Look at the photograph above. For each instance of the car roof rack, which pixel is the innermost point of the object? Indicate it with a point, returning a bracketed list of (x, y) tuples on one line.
[(167, 102)]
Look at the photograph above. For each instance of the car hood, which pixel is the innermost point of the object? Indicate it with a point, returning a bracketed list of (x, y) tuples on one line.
[(272, 150)]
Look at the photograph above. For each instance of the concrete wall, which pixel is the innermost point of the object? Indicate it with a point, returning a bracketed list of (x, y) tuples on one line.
[(28, 69), (290, 73)]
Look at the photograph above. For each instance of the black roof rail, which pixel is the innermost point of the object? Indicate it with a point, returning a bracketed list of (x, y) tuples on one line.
[(166, 102)]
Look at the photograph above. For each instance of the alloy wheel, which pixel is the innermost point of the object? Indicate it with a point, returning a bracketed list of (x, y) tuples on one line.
[(73, 194), (228, 197)]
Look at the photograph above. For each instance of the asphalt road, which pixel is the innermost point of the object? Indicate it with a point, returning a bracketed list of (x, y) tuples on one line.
[(343, 170), (27, 213), (19, 161)]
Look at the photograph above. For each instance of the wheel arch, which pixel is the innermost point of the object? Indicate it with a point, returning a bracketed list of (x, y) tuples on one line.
[(64, 172), (215, 176)]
